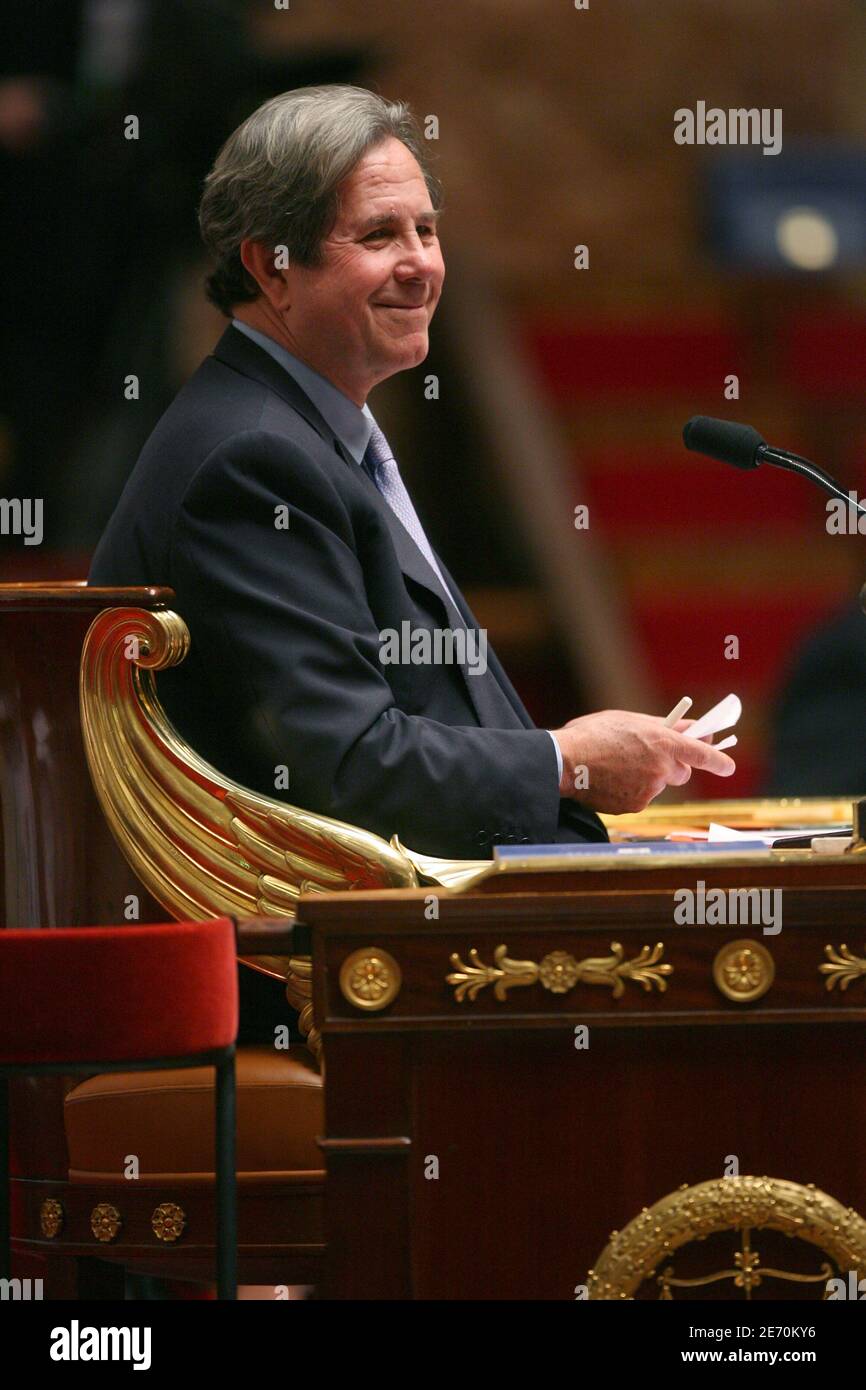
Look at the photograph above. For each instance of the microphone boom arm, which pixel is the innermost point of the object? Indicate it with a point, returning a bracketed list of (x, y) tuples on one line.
[(794, 463)]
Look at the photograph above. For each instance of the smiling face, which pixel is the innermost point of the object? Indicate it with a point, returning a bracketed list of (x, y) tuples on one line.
[(363, 314)]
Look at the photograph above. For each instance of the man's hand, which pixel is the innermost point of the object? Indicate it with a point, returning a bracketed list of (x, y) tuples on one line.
[(617, 761)]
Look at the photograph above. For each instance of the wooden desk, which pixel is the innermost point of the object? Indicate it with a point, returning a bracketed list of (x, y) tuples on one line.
[(543, 1147)]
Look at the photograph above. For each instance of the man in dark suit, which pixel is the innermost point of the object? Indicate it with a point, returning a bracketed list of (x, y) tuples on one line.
[(269, 500), (816, 745)]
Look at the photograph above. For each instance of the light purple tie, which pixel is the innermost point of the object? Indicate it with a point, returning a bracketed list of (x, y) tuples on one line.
[(381, 465)]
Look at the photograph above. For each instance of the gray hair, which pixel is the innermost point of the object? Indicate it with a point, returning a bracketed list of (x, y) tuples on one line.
[(277, 176)]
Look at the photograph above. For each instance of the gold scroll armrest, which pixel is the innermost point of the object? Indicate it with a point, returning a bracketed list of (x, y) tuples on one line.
[(203, 845)]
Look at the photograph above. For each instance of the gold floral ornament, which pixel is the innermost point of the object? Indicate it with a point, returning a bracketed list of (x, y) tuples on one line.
[(370, 979), (743, 971), (105, 1222), (470, 979), (843, 967), (558, 972), (51, 1218), (168, 1222)]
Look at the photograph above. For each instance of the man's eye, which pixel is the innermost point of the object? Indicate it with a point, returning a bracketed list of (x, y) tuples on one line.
[(377, 234)]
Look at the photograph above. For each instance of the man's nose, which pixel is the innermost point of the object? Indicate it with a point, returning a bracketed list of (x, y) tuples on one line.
[(417, 259)]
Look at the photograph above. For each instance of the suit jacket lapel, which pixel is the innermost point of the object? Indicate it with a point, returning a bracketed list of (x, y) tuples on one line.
[(489, 700), (494, 665)]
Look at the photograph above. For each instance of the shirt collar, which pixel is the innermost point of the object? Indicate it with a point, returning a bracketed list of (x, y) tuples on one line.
[(352, 424)]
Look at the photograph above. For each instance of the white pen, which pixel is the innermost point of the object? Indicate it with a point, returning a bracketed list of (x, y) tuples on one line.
[(678, 711)]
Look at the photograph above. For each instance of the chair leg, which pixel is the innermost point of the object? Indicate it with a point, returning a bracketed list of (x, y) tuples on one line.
[(226, 1182), (5, 1230)]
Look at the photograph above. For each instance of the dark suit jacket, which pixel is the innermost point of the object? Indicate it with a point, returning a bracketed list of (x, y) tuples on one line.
[(284, 667), (817, 744)]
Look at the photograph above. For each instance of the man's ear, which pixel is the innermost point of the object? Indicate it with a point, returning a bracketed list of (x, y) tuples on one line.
[(261, 262)]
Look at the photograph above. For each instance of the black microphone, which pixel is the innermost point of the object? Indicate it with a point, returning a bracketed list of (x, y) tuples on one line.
[(723, 440), (742, 446)]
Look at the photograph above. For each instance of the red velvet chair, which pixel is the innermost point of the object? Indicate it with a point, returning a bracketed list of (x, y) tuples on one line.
[(125, 999), (61, 867)]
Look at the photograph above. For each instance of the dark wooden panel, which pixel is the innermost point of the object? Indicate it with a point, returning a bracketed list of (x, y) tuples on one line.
[(368, 1153), (544, 1148)]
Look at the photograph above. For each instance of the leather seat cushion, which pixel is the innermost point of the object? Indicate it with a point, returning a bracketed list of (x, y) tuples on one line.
[(166, 1119)]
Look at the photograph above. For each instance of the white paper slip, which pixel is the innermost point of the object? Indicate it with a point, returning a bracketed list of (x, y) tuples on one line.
[(724, 715), (716, 834)]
